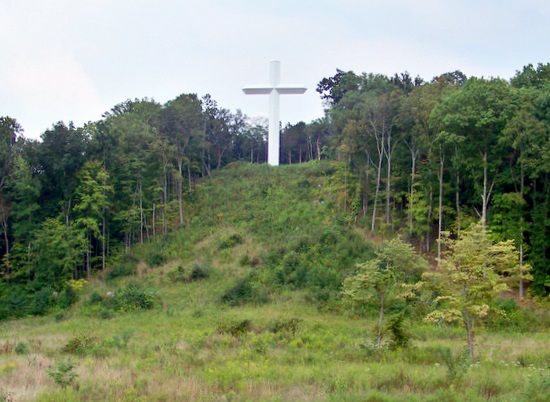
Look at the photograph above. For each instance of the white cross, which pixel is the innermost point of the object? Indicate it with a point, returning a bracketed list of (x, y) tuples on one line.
[(274, 90)]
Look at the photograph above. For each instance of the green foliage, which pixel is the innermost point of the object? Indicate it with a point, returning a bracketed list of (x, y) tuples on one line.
[(122, 341), (63, 374), (156, 259), (457, 364), (245, 291), (506, 315), (80, 344), (230, 240), (537, 388), (400, 336), (237, 328), (21, 348), (132, 297), (198, 272), (126, 266), (378, 280), (286, 327)]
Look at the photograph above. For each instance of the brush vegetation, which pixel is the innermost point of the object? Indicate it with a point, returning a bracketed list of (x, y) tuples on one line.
[(245, 302)]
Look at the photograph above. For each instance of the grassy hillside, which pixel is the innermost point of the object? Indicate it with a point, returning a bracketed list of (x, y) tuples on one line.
[(242, 304)]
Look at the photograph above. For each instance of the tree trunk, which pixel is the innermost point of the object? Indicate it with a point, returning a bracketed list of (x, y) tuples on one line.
[(440, 212), (380, 321), (487, 190), (414, 155), (376, 193), (521, 285), (470, 322), (6, 240)]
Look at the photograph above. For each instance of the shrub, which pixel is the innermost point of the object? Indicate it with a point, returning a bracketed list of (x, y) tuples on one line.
[(289, 326), (199, 272), (43, 301), (134, 297), (95, 298), (399, 335), (178, 274), (79, 344), (457, 365), (63, 374), (156, 259), (125, 267), (230, 241), (21, 348), (236, 328), (67, 297), (245, 291)]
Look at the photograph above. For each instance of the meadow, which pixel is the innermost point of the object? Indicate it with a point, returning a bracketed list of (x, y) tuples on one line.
[(243, 305)]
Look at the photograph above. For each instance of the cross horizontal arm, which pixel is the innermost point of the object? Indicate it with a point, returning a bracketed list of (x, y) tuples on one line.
[(257, 90), (291, 90), (267, 90)]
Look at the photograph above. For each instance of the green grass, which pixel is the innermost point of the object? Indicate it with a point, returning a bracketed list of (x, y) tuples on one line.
[(285, 229)]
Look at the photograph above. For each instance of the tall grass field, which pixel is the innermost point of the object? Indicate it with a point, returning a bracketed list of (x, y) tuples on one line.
[(243, 303)]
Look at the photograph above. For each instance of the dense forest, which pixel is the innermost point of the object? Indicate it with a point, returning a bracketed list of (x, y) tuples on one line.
[(424, 159)]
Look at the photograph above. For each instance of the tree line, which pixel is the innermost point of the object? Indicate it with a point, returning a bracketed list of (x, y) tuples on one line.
[(431, 158), (424, 159)]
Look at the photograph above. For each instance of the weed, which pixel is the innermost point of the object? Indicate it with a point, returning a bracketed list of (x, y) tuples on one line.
[(125, 267), (199, 272), (399, 335), (230, 241), (63, 374), (79, 345), (134, 297), (237, 328), (245, 291), (457, 364), (121, 342), (6, 396), (156, 259), (538, 388), (21, 348), (95, 297), (289, 326)]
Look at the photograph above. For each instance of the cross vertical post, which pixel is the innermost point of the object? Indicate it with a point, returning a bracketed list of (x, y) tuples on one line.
[(274, 90)]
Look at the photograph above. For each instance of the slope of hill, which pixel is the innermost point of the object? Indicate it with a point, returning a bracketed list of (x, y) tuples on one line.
[(242, 303)]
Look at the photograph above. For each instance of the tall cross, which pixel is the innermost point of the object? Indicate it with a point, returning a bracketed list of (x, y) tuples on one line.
[(274, 90)]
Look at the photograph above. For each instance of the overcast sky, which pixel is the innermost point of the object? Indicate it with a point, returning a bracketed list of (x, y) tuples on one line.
[(75, 59)]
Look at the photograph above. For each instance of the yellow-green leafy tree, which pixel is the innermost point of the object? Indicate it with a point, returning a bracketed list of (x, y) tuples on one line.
[(469, 278), (378, 281)]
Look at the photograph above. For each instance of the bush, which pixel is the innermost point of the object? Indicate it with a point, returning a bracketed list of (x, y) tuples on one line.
[(125, 267), (237, 328), (95, 298), (67, 297), (134, 297), (508, 316), (399, 335), (156, 259), (230, 241), (199, 272), (289, 326), (178, 274), (21, 348), (63, 375), (79, 345), (245, 291), (43, 300)]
